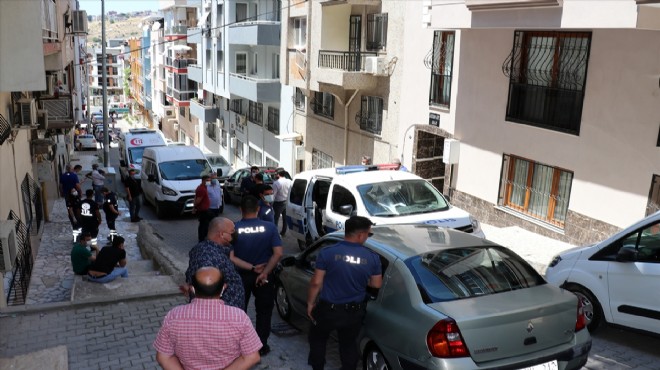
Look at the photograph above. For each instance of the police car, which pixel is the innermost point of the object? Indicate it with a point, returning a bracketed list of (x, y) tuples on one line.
[(320, 201)]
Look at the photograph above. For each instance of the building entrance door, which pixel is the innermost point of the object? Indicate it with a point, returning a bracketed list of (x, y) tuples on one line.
[(428, 163)]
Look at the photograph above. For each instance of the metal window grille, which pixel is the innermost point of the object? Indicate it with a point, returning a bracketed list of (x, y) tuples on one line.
[(324, 104), (370, 117), (255, 113), (300, 100), (238, 151), (236, 106), (321, 160), (440, 60), (5, 129), (547, 73), (376, 31), (274, 120), (20, 278)]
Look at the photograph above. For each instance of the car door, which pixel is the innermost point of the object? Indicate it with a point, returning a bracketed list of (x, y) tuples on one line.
[(316, 200), (233, 184), (147, 186), (295, 209), (633, 286), (337, 213)]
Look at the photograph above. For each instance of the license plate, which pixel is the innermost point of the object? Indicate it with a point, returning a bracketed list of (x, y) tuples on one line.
[(552, 365)]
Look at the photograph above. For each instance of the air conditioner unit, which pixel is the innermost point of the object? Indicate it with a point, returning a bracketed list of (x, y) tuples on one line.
[(27, 109), (169, 112), (79, 22), (241, 119), (176, 126), (7, 245), (42, 119), (300, 152), (375, 66)]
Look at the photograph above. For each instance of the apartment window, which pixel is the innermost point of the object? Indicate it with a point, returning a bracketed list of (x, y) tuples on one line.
[(376, 31), (371, 114), (238, 151), (270, 162), (219, 16), (209, 62), (255, 64), (255, 157), (220, 61), (442, 63), (324, 104), (300, 32), (236, 106), (547, 73), (255, 112), (321, 160), (241, 12), (255, 11), (276, 66), (182, 112), (537, 190), (212, 131), (274, 120), (299, 100), (223, 138), (241, 63)]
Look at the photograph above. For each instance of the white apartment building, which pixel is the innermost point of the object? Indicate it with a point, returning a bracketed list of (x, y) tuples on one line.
[(243, 110), (114, 74), (355, 66), (555, 108)]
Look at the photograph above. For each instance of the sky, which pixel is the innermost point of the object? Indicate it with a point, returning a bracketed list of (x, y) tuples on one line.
[(93, 7)]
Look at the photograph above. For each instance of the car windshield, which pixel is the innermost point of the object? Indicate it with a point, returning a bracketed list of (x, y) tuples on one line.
[(135, 154), (187, 169), (401, 198), (217, 160), (458, 273)]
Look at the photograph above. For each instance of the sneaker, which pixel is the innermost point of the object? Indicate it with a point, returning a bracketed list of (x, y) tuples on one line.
[(264, 350)]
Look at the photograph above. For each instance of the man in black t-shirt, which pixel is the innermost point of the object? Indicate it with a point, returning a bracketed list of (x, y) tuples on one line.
[(110, 207), (90, 217), (73, 208), (133, 195), (110, 263)]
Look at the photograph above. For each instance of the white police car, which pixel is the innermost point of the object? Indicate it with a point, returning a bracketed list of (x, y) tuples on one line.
[(320, 201)]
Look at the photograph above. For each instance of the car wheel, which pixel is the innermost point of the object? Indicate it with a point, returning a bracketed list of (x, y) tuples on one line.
[(593, 311), (160, 212), (374, 360), (282, 302)]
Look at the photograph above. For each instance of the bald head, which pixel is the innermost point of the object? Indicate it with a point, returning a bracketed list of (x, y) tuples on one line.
[(208, 282), (219, 227)]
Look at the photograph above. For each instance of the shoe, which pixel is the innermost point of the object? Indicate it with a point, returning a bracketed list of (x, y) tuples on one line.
[(264, 350)]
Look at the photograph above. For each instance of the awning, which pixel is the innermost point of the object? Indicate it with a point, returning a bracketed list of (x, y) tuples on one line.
[(202, 21), (289, 136)]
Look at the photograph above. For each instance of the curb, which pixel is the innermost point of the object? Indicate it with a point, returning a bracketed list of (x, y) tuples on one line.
[(153, 247)]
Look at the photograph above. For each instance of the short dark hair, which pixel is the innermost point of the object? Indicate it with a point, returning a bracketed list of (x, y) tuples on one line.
[(132, 170), (259, 176), (281, 173), (77, 167), (249, 204), (254, 168), (105, 190), (117, 241), (264, 187), (208, 290), (205, 177), (89, 193), (357, 224)]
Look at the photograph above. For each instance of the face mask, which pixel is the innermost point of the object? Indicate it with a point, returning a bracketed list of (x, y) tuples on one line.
[(88, 243), (234, 237), (208, 183), (269, 198), (254, 174), (74, 193), (214, 182)]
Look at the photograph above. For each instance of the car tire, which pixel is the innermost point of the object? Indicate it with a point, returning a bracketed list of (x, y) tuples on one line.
[(282, 302), (160, 212), (593, 311), (374, 359)]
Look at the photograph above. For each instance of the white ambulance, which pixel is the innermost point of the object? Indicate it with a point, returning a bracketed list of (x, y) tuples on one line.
[(132, 145), (320, 201)]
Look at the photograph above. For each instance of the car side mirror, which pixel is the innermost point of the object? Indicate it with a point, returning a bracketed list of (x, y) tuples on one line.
[(151, 178), (219, 172), (627, 254), (346, 210), (122, 163), (288, 261)]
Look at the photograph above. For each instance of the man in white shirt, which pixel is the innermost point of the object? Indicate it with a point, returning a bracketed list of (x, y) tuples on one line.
[(214, 190), (98, 181), (281, 189)]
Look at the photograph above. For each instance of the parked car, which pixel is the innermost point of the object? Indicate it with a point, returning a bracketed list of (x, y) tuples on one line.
[(618, 279), (86, 141), (232, 185), (219, 162), (451, 300)]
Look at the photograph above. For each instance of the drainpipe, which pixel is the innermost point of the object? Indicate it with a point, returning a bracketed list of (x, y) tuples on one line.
[(348, 104)]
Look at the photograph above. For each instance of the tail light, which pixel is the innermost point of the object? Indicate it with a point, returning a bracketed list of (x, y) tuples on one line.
[(581, 321), (445, 340)]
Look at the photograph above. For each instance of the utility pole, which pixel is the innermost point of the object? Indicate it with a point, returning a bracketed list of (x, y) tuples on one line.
[(106, 146)]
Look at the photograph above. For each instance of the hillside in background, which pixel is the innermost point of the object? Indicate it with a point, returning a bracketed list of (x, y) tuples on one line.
[(114, 29)]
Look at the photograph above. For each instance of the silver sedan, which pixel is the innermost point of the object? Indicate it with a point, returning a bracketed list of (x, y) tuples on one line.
[(450, 300)]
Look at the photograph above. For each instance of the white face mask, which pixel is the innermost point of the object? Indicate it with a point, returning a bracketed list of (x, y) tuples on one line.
[(268, 198), (74, 193), (214, 182), (88, 243)]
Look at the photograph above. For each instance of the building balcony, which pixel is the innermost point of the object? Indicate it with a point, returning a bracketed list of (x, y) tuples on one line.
[(195, 73), (180, 30), (345, 68), (506, 4), (60, 111), (203, 112), (256, 89), (350, 2), (160, 85), (255, 33), (195, 35), (178, 63)]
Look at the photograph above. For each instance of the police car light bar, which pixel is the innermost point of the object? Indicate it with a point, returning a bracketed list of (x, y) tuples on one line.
[(343, 170)]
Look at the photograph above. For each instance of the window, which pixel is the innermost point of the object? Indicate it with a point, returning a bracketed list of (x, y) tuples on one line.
[(341, 197), (220, 61), (297, 193), (255, 157), (255, 64), (270, 162), (547, 73), (274, 120), (299, 101), (276, 66), (442, 63), (255, 112), (211, 131), (241, 63), (182, 111), (324, 104), (208, 61), (371, 114), (321, 160), (376, 31), (238, 151), (236, 106), (241, 12), (653, 204), (223, 138), (537, 190), (300, 32)]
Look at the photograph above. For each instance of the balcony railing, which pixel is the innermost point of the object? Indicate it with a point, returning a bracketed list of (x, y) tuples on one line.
[(177, 30), (253, 79), (350, 61), (183, 96), (179, 63), (59, 109), (49, 21)]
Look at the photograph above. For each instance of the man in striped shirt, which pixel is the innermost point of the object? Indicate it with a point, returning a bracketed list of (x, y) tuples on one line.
[(207, 334)]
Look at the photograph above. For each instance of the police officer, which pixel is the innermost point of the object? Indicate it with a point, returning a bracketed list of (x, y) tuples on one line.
[(256, 252), (344, 271), (90, 217), (111, 208)]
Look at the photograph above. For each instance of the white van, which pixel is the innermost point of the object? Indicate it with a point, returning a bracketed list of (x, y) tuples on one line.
[(320, 201), (131, 148), (170, 175)]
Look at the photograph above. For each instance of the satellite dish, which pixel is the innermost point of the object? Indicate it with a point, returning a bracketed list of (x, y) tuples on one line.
[(155, 27)]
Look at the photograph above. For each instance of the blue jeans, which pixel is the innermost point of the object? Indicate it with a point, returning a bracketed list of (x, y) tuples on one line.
[(98, 195), (117, 272)]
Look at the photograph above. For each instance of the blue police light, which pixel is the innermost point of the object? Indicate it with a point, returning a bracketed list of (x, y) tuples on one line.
[(350, 169)]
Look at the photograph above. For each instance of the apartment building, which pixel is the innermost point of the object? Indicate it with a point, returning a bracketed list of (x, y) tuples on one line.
[(114, 82), (159, 109), (239, 106), (355, 67), (554, 107), (40, 100), (172, 88)]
